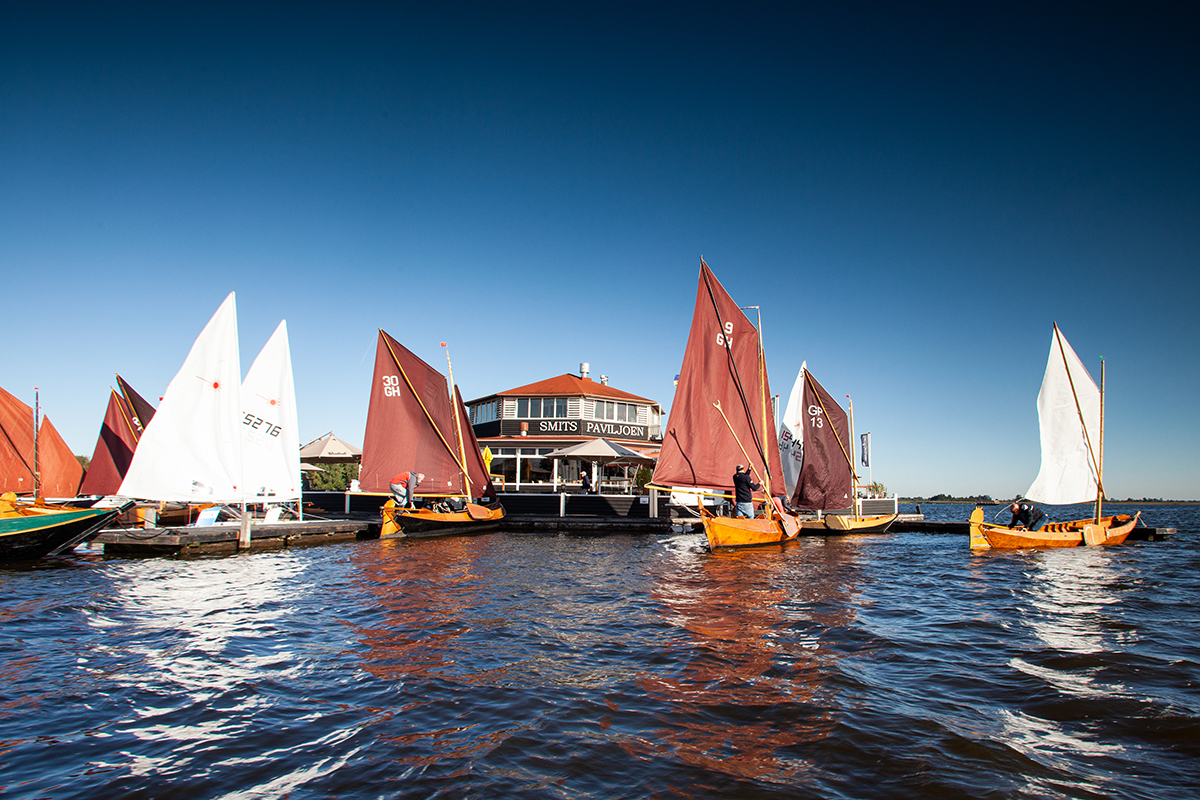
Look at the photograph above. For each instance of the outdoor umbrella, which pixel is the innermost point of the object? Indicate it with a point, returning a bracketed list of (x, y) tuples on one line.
[(603, 451), (330, 450)]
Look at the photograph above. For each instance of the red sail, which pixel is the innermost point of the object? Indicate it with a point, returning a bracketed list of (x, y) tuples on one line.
[(114, 449), (410, 426), (142, 411), (60, 470), (722, 363), (16, 445), (825, 482)]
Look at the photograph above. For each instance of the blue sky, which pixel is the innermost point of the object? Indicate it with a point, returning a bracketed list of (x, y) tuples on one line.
[(912, 196)]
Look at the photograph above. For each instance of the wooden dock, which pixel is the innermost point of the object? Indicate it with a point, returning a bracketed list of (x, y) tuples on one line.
[(224, 537)]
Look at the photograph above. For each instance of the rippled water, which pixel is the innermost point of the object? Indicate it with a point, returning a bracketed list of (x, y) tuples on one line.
[(608, 666)]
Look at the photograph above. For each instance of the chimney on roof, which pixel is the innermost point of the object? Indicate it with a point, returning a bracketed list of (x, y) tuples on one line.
[(584, 369), (604, 380)]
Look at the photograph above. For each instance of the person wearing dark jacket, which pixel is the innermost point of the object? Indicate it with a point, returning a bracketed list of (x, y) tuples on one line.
[(1026, 515), (743, 492)]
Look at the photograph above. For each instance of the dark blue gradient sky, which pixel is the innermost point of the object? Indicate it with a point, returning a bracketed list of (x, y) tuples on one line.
[(911, 195)]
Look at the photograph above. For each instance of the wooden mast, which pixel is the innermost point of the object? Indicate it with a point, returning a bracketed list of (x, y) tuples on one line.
[(853, 471), (1100, 460), (462, 451), (37, 470)]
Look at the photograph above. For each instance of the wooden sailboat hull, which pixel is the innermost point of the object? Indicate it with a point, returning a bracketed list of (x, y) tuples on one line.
[(29, 531), (743, 532), (837, 524), (1109, 530), (423, 522)]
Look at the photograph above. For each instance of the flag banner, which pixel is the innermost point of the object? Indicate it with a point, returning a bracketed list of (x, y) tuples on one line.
[(866, 449)]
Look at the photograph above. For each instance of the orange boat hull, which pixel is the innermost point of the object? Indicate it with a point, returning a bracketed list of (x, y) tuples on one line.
[(1108, 530), (742, 532)]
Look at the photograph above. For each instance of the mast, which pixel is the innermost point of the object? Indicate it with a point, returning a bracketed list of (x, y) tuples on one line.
[(853, 471), (462, 451), (1100, 459), (37, 472), (762, 391)]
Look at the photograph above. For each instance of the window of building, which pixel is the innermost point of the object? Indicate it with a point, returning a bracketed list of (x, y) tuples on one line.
[(541, 407)]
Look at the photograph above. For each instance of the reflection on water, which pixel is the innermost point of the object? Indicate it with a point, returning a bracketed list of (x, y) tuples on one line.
[(195, 635), (747, 695), (606, 666)]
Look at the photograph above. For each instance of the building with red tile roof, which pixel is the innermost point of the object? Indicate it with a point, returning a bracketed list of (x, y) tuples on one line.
[(520, 426)]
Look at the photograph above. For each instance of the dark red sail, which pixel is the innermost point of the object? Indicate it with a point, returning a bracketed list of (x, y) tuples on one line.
[(410, 425), (723, 363), (114, 449), (825, 482), (141, 410)]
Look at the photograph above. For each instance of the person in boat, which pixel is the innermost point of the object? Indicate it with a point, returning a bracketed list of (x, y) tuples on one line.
[(404, 486), (743, 492), (1026, 515)]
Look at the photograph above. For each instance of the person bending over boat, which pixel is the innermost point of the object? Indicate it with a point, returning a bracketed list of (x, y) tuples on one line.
[(1026, 515), (404, 486), (743, 492)]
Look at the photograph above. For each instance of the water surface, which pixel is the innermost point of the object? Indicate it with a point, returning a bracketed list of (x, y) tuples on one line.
[(608, 666)]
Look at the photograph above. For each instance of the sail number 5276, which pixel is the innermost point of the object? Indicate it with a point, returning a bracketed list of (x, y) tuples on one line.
[(257, 423)]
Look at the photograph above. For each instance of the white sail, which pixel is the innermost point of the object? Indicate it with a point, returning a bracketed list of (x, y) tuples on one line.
[(1068, 473), (791, 435), (192, 449), (270, 433)]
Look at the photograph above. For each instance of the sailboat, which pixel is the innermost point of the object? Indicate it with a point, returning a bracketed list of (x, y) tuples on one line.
[(270, 425), (826, 480), (1071, 421), (35, 459), (417, 422), (721, 416), (191, 451), (125, 419)]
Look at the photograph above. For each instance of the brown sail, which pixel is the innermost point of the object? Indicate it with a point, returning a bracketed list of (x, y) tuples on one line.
[(410, 425), (722, 364), (114, 449), (60, 470), (825, 482)]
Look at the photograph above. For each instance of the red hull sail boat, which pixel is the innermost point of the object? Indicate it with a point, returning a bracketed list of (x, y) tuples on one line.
[(416, 424), (721, 417), (827, 479)]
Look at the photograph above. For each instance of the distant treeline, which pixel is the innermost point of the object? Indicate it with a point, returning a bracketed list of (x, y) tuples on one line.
[(986, 499), (949, 498)]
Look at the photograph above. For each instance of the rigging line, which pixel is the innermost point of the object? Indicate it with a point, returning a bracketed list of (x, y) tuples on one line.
[(454, 398), (737, 379), (768, 504), (125, 389), (125, 417), (1078, 409), (417, 397), (849, 462)]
